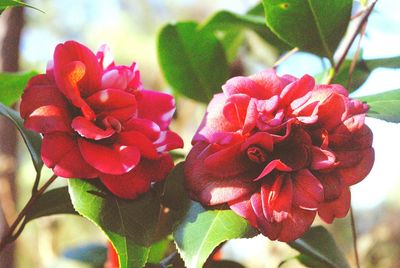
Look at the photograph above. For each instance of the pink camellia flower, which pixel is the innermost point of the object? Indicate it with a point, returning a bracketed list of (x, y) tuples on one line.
[(278, 150), (98, 122)]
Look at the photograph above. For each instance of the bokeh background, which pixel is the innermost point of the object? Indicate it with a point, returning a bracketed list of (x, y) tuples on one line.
[(130, 28)]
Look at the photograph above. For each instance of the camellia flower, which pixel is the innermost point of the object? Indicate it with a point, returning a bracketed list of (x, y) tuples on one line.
[(98, 122), (278, 150)]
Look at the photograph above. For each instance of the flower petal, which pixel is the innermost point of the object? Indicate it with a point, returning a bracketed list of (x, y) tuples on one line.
[(355, 174), (129, 185), (308, 191), (72, 51), (89, 130), (135, 138), (208, 188), (167, 141), (156, 106), (321, 159), (145, 126), (115, 159), (60, 152), (235, 109), (337, 208)]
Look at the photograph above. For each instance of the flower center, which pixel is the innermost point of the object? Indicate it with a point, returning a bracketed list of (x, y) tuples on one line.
[(112, 122), (256, 154)]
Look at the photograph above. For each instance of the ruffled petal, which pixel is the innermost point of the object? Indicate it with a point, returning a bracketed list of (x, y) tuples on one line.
[(90, 79), (242, 85), (337, 208), (297, 90), (114, 159), (145, 126), (207, 188), (269, 84), (135, 138), (129, 185), (274, 164), (156, 106), (167, 141), (332, 184), (308, 191), (44, 108), (321, 159), (213, 121), (89, 130), (355, 174), (235, 109), (60, 152)]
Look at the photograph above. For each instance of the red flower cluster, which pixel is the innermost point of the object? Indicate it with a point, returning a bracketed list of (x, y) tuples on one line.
[(98, 122), (278, 150)]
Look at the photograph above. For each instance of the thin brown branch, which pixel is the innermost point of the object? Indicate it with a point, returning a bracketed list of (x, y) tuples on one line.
[(354, 233), (356, 56), (359, 28), (10, 236)]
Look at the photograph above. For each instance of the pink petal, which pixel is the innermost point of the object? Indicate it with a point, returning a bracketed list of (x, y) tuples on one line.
[(321, 159), (213, 121), (332, 184), (60, 152), (274, 164), (135, 138), (156, 106), (145, 126), (110, 99), (277, 199), (355, 174), (297, 90), (243, 208), (308, 191), (71, 51), (242, 85), (208, 188), (330, 112), (262, 139), (227, 162), (89, 130), (113, 160), (235, 109), (269, 84), (105, 57), (168, 141), (337, 208)]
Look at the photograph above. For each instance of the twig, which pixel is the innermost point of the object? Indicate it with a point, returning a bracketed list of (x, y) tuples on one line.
[(355, 58), (354, 232), (361, 24), (285, 57), (10, 236)]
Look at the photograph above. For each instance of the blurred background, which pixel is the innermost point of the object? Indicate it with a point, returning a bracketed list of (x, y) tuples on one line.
[(130, 28)]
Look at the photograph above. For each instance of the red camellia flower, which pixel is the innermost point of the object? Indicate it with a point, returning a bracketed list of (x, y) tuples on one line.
[(98, 122), (278, 150)]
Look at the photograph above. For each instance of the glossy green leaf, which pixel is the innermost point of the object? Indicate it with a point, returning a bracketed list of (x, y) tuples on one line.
[(318, 246), (225, 21), (362, 70), (129, 224), (193, 61), (385, 106), (314, 26), (201, 231), (12, 85), (14, 3), (157, 251), (56, 201), (32, 140)]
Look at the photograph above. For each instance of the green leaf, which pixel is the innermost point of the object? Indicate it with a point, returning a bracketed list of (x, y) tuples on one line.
[(312, 25), (12, 85), (32, 140), (362, 71), (157, 251), (225, 21), (56, 201), (15, 3), (193, 61), (129, 224), (385, 106), (201, 231), (319, 247)]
